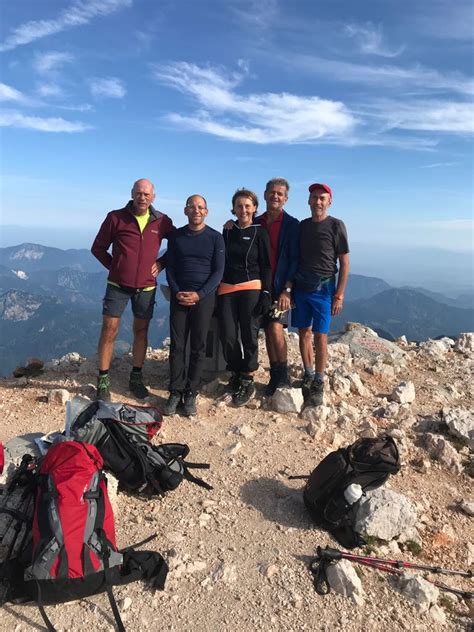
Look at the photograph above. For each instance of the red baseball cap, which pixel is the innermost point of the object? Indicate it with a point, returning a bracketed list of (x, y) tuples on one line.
[(318, 185)]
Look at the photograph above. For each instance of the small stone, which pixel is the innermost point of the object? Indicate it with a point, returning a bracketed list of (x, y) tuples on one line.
[(234, 448), (344, 580), (245, 431), (467, 507), (268, 570), (437, 614), (315, 413), (421, 591), (404, 393), (58, 396), (125, 603), (287, 400)]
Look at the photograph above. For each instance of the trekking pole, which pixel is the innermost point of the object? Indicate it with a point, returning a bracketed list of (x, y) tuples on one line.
[(334, 554), (319, 565)]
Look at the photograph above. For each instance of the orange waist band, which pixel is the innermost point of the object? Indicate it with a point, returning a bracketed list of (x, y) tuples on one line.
[(228, 288)]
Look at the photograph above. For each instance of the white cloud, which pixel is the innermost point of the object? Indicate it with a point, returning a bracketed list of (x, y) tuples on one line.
[(80, 12), (49, 90), (51, 61), (259, 118), (370, 40), (436, 165), (7, 93), (16, 119), (416, 77), (107, 87), (431, 116)]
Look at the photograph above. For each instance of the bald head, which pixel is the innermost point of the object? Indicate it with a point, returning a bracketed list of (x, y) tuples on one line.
[(143, 194)]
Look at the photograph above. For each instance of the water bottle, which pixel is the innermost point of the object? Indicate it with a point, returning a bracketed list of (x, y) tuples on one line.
[(352, 493)]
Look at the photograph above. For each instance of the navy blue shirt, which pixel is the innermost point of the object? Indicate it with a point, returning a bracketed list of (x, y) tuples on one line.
[(195, 260)]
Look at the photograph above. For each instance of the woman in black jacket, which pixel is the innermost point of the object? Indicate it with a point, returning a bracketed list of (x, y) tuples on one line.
[(244, 294)]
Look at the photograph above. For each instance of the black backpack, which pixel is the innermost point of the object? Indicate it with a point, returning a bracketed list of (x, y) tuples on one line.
[(128, 454), (367, 462)]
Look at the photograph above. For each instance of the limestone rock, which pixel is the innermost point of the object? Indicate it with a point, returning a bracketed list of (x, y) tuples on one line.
[(58, 396), (421, 591), (465, 343), (404, 393), (436, 349), (364, 342), (317, 414), (356, 385), (461, 425), (441, 450), (385, 514), (344, 580), (340, 385), (226, 573), (287, 400), (438, 615)]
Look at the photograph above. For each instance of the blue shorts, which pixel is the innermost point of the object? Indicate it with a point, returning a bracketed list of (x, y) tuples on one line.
[(314, 308)]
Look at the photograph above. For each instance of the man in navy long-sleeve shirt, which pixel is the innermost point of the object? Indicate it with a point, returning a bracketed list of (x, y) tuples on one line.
[(194, 268)]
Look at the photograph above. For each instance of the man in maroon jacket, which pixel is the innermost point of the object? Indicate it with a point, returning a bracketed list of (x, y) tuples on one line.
[(135, 233)]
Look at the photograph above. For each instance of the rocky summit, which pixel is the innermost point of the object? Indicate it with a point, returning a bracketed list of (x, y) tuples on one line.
[(239, 554)]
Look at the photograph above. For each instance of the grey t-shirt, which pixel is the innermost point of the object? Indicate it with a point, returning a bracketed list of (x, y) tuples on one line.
[(321, 243)]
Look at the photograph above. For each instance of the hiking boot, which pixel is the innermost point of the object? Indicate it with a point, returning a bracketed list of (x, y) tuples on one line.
[(233, 384), (136, 385), (103, 388), (271, 387), (174, 400), (245, 393), (316, 393), (189, 404), (306, 385), (283, 381)]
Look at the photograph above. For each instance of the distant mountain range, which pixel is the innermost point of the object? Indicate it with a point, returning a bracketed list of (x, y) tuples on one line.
[(50, 304)]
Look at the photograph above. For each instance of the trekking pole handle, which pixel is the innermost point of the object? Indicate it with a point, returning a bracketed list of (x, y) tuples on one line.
[(329, 554)]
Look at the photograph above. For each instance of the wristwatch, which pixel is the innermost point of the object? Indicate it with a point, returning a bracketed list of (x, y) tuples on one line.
[(287, 289)]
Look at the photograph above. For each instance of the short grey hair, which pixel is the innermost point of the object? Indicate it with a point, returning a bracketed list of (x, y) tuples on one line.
[(277, 182)]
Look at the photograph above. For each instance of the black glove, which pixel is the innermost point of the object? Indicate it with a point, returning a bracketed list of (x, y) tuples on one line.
[(263, 305)]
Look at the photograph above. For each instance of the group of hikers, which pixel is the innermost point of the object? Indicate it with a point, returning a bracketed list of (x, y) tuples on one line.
[(261, 268)]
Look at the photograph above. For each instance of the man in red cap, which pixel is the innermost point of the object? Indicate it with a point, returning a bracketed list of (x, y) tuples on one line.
[(317, 297)]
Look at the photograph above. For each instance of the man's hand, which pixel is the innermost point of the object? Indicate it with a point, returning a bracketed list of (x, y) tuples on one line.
[(284, 301), (228, 225), (337, 303), (187, 298), (156, 268)]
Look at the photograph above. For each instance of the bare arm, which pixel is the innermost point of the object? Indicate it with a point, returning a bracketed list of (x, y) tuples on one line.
[(342, 277)]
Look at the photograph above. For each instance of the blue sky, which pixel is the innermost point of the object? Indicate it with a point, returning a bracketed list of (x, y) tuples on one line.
[(373, 97)]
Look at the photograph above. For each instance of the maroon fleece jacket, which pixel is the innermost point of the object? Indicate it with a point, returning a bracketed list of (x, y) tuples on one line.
[(133, 252)]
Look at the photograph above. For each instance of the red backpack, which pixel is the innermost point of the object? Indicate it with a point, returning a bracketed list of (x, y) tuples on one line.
[(74, 552)]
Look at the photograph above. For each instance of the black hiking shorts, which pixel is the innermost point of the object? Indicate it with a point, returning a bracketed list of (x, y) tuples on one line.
[(117, 297)]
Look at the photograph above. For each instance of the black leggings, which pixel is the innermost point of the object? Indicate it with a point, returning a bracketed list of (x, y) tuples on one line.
[(235, 316)]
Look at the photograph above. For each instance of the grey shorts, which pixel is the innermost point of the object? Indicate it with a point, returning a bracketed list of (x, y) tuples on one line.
[(116, 299)]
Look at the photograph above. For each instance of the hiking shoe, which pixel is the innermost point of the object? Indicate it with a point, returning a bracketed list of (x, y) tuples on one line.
[(189, 404), (271, 387), (174, 400), (245, 393), (233, 384), (306, 385), (316, 393), (137, 387), (103, 388)]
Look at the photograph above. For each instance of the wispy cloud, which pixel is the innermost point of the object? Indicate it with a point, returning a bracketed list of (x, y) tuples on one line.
[(417, 77), (49, 90), (370, 40), (78, 13), (16, 119), (107, 87), (258, 118), (7, 93), (430, 116), (49, 62), (437, 165)]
